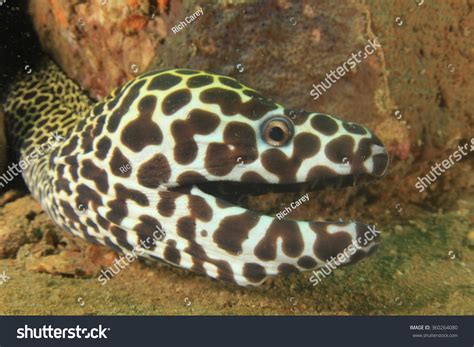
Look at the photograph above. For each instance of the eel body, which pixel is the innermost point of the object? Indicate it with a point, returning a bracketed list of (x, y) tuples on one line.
[(146, 159)]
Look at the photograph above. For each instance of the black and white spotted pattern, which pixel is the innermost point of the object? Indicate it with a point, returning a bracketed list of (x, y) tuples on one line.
[(132, 162)]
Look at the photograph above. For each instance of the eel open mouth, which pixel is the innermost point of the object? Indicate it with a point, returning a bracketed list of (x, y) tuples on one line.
[(255, 241), (239, 193)]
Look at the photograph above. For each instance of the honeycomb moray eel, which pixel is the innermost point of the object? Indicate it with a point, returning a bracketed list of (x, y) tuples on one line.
[(155, 154)]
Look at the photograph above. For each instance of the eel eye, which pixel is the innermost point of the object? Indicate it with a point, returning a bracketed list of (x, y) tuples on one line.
[(277, 131)]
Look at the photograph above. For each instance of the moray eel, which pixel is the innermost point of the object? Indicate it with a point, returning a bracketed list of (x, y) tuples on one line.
[(155, 154)]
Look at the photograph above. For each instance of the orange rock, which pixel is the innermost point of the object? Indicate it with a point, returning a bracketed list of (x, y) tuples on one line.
[(134, 23), (99, 255), (163, 5), (133, 4), (59, 14)]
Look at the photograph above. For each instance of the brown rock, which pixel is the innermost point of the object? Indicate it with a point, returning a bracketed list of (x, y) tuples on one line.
[(87, 39), (14, 225), (85, 261), (28, 234), (10, 241), (310, 40), (73, 263)]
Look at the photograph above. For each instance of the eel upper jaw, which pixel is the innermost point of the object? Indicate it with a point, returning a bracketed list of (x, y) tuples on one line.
[(358, 171)]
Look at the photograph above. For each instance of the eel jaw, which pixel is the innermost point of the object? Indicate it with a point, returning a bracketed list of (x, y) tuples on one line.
[(247, 246), (255, 246)]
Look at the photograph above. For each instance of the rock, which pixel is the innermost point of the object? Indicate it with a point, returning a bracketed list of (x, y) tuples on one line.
[(14, 225), (117, 37), (9, 196), (10, 241), (87, 263), (470, 239), (308, 41), (69, 257), (27, 233)]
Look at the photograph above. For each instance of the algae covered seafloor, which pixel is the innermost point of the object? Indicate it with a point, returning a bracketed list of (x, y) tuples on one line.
[(423, 267)]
